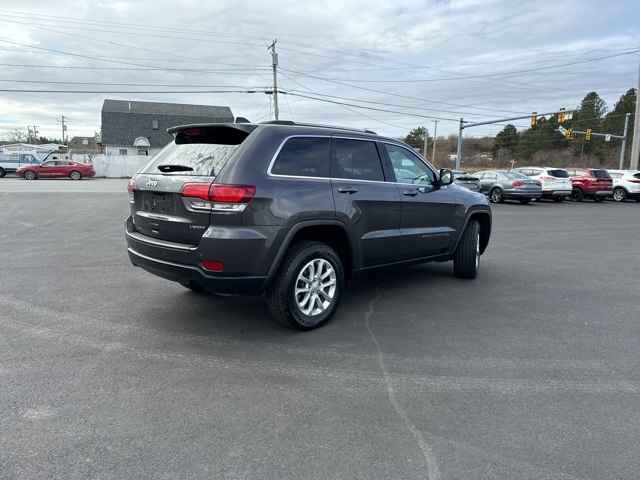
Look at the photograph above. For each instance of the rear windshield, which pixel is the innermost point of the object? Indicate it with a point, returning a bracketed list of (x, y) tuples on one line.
[(558, 173), (636, 175), (514, 175), (203, 149), (600, 174)]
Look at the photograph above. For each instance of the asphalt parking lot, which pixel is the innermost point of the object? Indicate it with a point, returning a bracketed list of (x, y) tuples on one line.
[(531, 371)]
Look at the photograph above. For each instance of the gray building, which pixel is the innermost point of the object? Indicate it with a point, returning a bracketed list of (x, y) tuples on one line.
[(140, 128)]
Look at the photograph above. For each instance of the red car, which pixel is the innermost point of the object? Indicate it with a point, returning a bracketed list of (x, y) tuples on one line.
[(594, 183), (56, 169)]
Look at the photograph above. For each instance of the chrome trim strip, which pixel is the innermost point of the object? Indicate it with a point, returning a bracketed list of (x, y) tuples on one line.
[(157, 260), (160, 243), (277, 175), (167, 218)]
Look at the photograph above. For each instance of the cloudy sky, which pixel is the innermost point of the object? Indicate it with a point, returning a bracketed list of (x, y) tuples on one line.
[(479, 59)]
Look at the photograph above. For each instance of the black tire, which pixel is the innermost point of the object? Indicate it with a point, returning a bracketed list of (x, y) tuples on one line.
[(281, 293), (75, 175), (577, 195), (598, 199), (2, 172), (619, 194), (466, 260), (30, 175), (495, 195), (525, 201)]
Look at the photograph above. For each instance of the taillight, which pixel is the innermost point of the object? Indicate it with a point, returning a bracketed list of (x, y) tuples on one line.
[(212, 265), (218, 197), (231, 193), (131, 187), (517, 183)]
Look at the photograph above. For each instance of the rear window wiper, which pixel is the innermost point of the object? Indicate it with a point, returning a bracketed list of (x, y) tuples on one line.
[(174, 168)]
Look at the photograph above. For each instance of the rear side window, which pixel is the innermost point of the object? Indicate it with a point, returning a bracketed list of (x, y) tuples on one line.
[(600, 174), (197, 151), (303, 157), (356, 160), (558, 173), (637, 175)]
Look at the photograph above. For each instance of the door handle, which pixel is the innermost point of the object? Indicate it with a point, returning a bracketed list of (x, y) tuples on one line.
[(348, 190), (410, 193)]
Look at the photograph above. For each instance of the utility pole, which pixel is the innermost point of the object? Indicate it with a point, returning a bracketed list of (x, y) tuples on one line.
[(426, 142), (64, 128), (274, 63), (460, 140), (624, 140), (435, 139), (635, 146)]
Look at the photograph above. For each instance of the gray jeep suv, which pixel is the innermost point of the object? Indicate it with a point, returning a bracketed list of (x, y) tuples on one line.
[(295, 211)]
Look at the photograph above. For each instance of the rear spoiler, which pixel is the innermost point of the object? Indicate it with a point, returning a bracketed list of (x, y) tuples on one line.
[(223, 133)]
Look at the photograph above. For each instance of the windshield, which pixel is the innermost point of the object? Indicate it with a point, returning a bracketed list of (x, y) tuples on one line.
[(206, 159), (600, 174)]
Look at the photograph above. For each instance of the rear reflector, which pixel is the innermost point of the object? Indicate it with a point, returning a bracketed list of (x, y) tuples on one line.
[(517, 183), (212, 265)]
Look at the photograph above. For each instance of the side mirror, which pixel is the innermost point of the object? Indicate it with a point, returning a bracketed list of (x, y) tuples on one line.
[(446, 177)]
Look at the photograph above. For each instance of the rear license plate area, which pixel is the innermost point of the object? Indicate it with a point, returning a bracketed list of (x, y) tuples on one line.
[(158, 203)]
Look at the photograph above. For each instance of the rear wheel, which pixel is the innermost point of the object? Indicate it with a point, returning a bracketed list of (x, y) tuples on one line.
[(75, 175), (466, 260), (29, 175), (2, 172), (577, 195), (495, 196), (307, 290), (619, 194)]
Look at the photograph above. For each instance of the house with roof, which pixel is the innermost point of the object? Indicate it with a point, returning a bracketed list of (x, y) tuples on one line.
[(140, 128)]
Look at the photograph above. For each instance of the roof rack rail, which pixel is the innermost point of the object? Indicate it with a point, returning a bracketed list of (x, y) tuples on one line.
[(290, 122)]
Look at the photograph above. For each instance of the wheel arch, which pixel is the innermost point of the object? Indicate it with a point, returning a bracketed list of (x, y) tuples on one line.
[(484, 218), (331, 232)]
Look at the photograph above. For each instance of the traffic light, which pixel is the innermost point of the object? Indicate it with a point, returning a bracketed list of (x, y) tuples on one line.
[(534, 119), (561, 116), (587, 135)]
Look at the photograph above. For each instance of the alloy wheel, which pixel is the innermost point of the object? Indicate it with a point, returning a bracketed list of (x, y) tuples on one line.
[(315, 287)]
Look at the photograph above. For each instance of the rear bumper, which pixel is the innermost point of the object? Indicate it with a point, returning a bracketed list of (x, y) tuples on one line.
[(556, 193), (515, 195), (181, 263)]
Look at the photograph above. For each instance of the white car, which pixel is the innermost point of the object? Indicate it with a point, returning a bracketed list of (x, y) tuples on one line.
[(555, 182), (626, 184)]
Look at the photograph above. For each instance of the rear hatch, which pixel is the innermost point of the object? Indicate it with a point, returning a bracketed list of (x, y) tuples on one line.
[(190, 163), (557, 179)]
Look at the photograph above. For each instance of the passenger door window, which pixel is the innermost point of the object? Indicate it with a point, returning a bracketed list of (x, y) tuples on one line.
[(408, 168), (303, 157), (356, 160)]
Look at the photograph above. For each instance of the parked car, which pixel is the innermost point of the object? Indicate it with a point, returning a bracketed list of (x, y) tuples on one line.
[(11, 162), (556, 184), (56, 169), (500, 185), (594, 183), (295, 211), (466, 180), (626, 184)]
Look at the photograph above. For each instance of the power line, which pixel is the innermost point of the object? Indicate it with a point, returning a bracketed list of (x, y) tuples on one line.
[(141, 69), (126, 84), (9, 90), (486, 75)]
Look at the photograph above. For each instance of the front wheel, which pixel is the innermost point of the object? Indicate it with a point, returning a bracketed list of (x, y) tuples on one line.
[(75, 175), (29, 175), (619, 194), (2, 172), (307, 290), (466, 260)]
